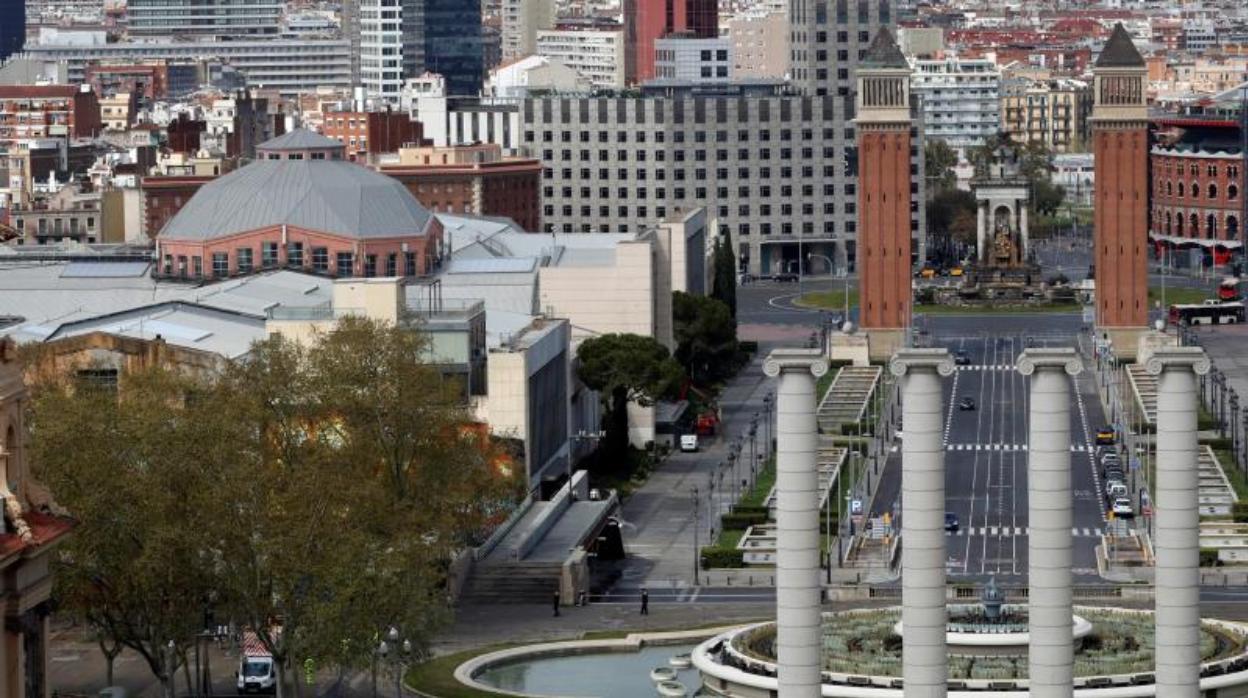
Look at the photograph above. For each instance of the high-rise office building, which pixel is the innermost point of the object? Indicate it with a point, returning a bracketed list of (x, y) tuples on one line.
[(388, 38), (829, 37), (453, 44), (647, 20), (12, 28), (221, 19)]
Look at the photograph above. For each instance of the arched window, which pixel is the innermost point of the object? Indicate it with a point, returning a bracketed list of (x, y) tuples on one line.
[(1213, 190), (1178, 225), (1232, 192), (1195, 221), (1211, 226), (1182, 188), (1169, 188), (1232, 228), (1195, 190), (1169, 222)]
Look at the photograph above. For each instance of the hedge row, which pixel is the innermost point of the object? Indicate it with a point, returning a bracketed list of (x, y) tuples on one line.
[(1239, 512), (1209, 558), (713, 557)]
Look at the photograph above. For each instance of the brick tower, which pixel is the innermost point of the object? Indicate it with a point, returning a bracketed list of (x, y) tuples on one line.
[(884, 244), (1120, 143)]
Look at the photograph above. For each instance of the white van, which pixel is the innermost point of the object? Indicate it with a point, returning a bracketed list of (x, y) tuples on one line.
[(689, 443), (256, 672)]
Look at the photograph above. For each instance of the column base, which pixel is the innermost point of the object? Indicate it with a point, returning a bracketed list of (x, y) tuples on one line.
[(883, 343), (1126, 340)]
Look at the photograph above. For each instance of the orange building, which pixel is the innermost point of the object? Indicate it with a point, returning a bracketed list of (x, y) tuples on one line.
[(48, 111), (884, 197), (372, 133), (1120, 146)]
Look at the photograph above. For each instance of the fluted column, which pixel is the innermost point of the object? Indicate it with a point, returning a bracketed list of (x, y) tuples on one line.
[(1051, 613), (1177, 541), (923, 615), (798, 619)]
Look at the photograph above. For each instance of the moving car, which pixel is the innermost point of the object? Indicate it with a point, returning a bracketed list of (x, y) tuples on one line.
[(951, 522), (1122, 508), (966, 404), (961, 358), (1105, 436), (1115, 491), (956, 271), (689, 443)]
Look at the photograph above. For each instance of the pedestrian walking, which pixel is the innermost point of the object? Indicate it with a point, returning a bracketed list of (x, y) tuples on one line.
[(645, 602), (556, 603)]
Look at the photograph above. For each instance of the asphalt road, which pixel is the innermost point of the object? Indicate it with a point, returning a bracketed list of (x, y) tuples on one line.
[(986, 448)]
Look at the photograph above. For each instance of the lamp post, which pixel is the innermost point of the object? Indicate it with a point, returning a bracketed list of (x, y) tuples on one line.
[(696, 552), (732, 467), (402, 649), (828, 260), (1234, 424), (753, 437), (767, 402), (582, 435)]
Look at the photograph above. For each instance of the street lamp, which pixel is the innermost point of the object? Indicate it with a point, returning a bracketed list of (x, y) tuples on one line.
[(696, 552), (402, 649), (732, 466), (767, 402)]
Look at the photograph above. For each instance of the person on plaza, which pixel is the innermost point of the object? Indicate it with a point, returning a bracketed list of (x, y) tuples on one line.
[(645, 602), (556, 603)]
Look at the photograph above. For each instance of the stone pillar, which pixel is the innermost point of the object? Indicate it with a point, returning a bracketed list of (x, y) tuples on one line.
[(1023, 233), (799, 624), (923, 615), (1177, 540), (1051, 613), (981, 228)]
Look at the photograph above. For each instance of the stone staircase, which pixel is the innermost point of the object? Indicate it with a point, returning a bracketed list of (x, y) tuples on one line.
[(516, 582)]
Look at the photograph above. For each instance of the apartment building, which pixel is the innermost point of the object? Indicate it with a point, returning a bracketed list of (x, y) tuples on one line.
[(597, 55), (221, 19), (760, 43), (1053, 112), (960, 98), (522, 20)]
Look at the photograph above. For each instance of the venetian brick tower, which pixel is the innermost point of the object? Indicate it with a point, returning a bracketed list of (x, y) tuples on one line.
[(1120, 143), (884, 243)]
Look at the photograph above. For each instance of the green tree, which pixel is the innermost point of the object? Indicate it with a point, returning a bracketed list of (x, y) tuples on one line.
[(944, 207), (706, 337), (1046, 197), (138, 467), (625, 368), (724, 274), (938, 163)]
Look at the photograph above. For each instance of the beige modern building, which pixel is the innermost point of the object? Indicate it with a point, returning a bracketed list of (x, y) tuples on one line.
[(522, 20), (597, 55), (760, 43), (1052, 112)]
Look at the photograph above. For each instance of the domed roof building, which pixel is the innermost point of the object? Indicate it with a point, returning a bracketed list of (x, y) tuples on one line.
[(300, 206)]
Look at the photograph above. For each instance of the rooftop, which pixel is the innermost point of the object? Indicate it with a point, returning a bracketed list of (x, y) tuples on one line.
[(1119, 51), (324, 195), (299, 139), (884, 53)]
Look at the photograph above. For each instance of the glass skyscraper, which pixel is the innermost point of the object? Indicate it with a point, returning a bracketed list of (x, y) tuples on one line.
[(453, 44), (12, 27)]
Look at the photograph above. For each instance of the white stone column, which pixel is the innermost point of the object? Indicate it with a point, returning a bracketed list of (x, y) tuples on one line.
[(1023, 233), (799, 638), (924, 656), (1051, 613), (981, 228), (1177, 541)]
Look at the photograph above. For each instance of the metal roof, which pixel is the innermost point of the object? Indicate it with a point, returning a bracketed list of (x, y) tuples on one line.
[(496, 265), (330, 196), (104, 270), (883, 52), (299, 139)]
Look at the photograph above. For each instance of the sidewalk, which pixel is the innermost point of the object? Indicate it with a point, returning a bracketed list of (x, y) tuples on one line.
[(658, 518)]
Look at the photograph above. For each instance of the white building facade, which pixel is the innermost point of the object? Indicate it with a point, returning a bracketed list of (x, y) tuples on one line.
[(693, 60), (961, 99), (598, 55)]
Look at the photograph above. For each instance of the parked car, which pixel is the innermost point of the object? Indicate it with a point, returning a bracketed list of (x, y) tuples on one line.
[(1122, 508), (784, 277), (1114, 475), (1115, 491), (1105, 436), (951, 522), (966, 404)]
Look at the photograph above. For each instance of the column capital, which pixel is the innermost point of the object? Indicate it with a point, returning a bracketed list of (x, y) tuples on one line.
[(1191, 358), (1059, 358), (791, 360), (907, 360)]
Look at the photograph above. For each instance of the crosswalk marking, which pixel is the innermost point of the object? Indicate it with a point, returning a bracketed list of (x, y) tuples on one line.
[(1017, 532), (1074, 448), (987, 367)]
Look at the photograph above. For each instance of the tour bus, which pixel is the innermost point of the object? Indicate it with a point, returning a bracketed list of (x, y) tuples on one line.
[(1207, 314)]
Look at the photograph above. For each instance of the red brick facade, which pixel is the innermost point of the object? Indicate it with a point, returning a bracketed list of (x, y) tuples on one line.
[(1197, 192), (365, 133), (1120, 219), (48, 111), (163, 197), (509, 188), (884, 243)]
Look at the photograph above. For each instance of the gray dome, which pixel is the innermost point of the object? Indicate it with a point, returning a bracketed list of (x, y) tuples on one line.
[(330, 196)]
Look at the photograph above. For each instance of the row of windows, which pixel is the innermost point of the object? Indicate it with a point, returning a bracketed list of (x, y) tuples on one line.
[(743, 229), (744, 192), (1174, 225), (1232, 171), (721, 136), (1232, 190), (244, 262)]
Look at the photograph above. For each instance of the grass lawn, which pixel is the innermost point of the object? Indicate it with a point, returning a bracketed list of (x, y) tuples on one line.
[(825, 382), (729, 537), (1236, 478), (762, 485), (1179, 296), (829, 300), (997, 309)]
